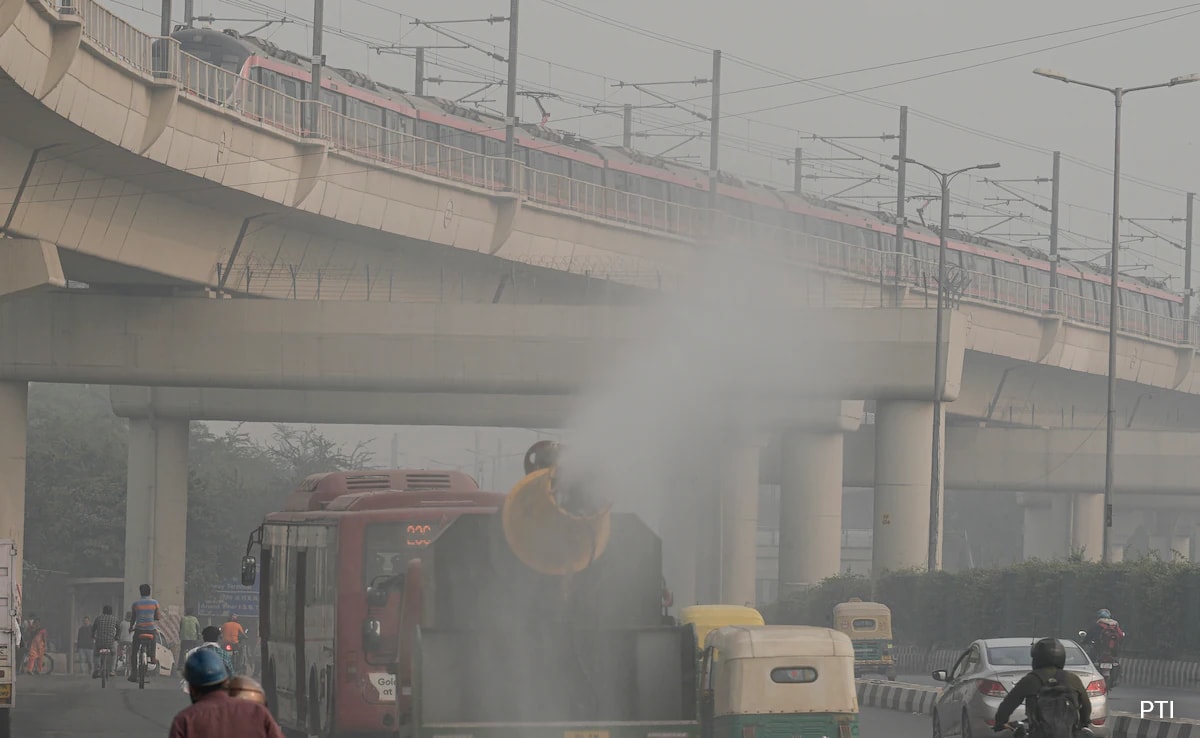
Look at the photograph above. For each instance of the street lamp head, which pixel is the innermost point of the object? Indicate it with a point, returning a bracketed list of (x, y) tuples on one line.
[(1050, 73), (993, 165), (1184, 79)]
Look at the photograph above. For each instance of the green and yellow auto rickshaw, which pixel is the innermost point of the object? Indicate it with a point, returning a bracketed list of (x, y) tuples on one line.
[(869, 626), (764, 681)]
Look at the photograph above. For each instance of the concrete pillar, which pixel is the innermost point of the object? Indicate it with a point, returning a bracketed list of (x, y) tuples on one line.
[(1087, 526), (738, 494), (810, 509), (903, 450), (14, 404), (156, 510), (1047, 525)]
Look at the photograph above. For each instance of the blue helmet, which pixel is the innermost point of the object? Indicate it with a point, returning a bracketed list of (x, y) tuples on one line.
[(204, 668), (1104, 614)]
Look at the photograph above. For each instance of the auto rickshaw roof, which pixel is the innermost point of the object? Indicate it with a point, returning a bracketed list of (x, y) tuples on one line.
[(767, 641), (861, 608), (726, 614)]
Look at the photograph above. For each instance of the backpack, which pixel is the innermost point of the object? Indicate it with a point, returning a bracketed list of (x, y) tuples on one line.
[(1110, 634), (1055, 708)]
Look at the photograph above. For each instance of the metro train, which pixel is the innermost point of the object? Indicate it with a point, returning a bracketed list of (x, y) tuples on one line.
[(996, 267)]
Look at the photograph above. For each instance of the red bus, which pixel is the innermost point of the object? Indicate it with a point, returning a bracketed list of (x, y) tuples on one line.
[(331, 592)]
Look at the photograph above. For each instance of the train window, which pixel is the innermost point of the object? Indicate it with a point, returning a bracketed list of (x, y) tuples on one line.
[(1099, 291), (493, 147), (852, 235), (428, 130), (1175, 309), (654, 188), (364, 111), (396, 122), (335, 100), (289, 86), (1039, 277), (1158, 306), (586, 172), (618, 180), (556, 164), (1009, 271), (975, 263), (1134, 300)]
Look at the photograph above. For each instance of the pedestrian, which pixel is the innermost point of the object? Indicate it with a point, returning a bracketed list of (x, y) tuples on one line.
[(214, 712), (189, 632), (36, 660), (84, 646)]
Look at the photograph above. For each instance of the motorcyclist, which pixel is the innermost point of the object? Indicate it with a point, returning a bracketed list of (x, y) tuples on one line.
[(211, 636), (1049, 658), (1105, 636)]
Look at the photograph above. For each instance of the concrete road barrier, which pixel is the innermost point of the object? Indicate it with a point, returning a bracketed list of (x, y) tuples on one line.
[(918, 699), (1125, 725), (913, 698)]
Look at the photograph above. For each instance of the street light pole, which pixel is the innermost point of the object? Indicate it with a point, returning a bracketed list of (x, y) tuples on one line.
[(1114, 296), (939, 359)]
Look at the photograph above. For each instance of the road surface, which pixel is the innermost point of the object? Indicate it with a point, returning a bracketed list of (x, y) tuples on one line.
[(69, 707), (62, 706), (1125, 698)]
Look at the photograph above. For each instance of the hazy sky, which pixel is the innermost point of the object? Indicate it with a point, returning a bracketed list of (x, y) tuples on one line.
[(580, 58)]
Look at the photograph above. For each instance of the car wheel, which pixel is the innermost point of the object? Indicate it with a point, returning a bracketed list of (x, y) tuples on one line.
[(966, 725), (937, 726)]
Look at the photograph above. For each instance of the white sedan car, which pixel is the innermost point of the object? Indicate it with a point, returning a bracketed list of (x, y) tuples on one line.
[(987, 669)]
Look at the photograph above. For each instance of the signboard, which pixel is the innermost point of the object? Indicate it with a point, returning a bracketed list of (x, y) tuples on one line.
[(230, 596), (385, 685)]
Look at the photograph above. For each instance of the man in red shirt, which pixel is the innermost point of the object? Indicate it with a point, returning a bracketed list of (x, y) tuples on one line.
[(214, 713)]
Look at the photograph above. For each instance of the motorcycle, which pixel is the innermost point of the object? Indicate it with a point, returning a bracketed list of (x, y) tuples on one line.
[(1108, 665)]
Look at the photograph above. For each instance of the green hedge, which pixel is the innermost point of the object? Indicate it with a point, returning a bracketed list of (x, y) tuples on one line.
[(1157, 602)]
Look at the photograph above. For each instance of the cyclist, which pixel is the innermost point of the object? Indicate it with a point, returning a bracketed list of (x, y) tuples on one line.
[(143, 623), (232, 634), (104, 634)]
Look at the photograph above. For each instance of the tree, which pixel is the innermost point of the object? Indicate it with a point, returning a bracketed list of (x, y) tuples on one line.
[(76, 487)]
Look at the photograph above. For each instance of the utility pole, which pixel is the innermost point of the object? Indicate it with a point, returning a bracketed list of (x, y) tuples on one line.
[(510, 116), (1054, 183), (395, 450), (318, 59), (189, 12), (627, 134), (798, 174), (1187, 263), (900, 194), (714, 132), (419, 85), (166, 19)]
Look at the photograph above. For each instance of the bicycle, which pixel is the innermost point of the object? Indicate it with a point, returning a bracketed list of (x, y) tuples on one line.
[(41, 666), (105, 665), (145, 641)]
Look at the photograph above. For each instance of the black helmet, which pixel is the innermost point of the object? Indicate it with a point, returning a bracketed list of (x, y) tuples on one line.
[(1048, 652)]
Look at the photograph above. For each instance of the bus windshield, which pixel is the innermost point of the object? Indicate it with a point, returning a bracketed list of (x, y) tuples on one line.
[(390, 546)]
